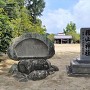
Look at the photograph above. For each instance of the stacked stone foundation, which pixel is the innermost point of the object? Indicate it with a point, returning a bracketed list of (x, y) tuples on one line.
[(32, 69)]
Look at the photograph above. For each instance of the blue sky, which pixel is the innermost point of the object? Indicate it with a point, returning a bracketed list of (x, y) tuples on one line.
[(55, 4), (58, 13)]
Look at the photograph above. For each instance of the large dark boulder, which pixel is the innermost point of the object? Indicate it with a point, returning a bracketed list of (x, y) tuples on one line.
[(27, 66)]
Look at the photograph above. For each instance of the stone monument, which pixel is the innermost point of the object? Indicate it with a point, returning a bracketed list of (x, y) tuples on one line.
[(32, 51), (82, 66)]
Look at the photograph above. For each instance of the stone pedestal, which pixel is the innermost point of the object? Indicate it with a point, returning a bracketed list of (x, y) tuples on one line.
[(79, 67), (82, 66)]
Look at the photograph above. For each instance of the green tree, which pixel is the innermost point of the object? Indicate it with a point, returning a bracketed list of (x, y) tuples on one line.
[(12, 10), (76, 38), (2, 3), (71, 27), (51, 37), (71, 30), (35, 8), (21, 19), (15, 19), (23, 24), (38, 28), (5, 32)]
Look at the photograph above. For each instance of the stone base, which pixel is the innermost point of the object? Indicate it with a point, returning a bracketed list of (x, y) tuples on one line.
[(79, 67), (34, 69)]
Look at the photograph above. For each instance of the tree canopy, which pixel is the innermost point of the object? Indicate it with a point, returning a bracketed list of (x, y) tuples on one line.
[(18, 17), (71, 27), (5, 32), (71, 30), (35, 8)]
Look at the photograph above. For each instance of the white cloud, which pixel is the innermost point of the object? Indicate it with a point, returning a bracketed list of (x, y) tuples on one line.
[(56, 20), (82, 13)]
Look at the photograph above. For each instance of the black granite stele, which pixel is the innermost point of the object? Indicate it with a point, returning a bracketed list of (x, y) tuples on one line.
[(82, 66), (32, 51)]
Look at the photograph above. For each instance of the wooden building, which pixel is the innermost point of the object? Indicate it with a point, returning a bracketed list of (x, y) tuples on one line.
[(61, 38)]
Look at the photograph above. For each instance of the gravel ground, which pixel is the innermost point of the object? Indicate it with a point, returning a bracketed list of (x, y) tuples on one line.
[(57, 81)]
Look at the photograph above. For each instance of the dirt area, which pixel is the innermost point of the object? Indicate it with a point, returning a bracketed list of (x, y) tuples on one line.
[(57, 81)]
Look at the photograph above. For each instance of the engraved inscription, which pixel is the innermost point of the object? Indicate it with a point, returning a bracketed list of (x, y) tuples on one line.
[(85, 42)]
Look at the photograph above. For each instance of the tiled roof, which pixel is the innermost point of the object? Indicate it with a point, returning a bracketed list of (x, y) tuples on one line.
[(62, 37)]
